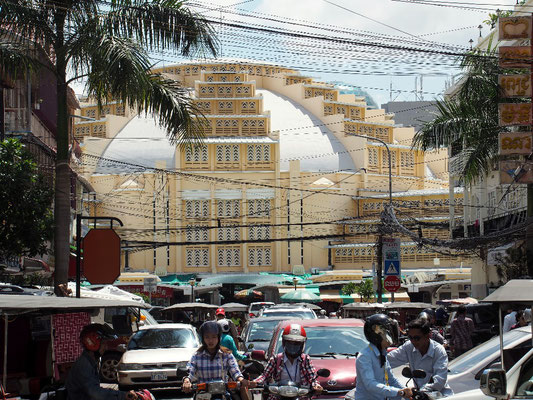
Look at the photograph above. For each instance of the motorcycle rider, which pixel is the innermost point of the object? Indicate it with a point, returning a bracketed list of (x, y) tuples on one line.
[(375, 380), (83, 381), (292, 364), (429, 315), (227, 340), (422, 352), (210, 363)]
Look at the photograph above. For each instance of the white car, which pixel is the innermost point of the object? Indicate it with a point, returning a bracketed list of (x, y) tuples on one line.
[(154, 354), (255, 307), (517, 383), (288, 311), (465, 371)]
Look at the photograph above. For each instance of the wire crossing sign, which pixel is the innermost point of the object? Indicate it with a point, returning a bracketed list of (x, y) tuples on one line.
[(391, 256)]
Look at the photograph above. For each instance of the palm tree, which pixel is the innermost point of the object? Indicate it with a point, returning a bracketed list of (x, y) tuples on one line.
[(468, 121), (107, 44)]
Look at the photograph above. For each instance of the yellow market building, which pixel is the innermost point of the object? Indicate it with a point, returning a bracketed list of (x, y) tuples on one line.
[(280, 181)]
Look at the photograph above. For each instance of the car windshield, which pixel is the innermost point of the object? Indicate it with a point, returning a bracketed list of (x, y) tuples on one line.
[(163, 338), (256, 307), (261, 331), (480, 353), (348, 340), (303, 314)]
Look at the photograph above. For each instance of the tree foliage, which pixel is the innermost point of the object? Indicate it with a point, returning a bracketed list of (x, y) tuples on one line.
[(26, 220), (365, 289), (512, 265), (468, 121)]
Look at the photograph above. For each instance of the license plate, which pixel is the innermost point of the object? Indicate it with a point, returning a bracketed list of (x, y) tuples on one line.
[(203, 396), (159, 376)]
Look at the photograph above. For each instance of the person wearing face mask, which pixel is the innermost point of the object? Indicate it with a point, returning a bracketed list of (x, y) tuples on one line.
[(375, 380), (292, 364)]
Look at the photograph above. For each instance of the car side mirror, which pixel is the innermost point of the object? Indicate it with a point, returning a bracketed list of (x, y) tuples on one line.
[(259, 355), (250, 346), (493, 383), (122, 348)]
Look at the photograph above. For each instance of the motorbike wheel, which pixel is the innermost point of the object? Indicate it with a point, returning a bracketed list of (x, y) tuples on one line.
[(108, 367)]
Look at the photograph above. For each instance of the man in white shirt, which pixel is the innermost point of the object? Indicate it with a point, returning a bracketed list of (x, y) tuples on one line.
[(509, 320)]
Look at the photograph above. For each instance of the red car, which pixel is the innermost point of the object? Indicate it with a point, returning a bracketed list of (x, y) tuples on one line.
[(332, 344)]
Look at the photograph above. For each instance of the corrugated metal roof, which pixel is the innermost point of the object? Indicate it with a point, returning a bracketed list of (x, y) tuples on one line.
[(412, 193), (239, 139)]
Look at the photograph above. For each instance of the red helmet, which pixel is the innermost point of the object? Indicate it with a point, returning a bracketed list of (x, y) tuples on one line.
[(220, 311), (295, 333)]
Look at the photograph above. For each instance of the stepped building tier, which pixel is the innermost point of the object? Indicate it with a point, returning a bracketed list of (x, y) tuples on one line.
[(281, 177)]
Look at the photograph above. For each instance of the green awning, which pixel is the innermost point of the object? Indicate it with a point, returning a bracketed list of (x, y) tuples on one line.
[(175, 279)]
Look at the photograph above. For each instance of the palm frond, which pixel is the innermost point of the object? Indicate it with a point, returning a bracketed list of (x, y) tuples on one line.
[(16, 59), (162, 24), (120, 69)]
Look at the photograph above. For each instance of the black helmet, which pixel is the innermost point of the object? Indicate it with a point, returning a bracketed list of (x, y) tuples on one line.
[(378, 327), (210, 327)]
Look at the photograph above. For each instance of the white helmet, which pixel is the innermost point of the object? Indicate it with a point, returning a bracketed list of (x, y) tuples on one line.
[(224, 325), (295, 333)]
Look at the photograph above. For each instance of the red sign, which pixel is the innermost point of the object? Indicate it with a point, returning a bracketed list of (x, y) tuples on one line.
[(392, 283), (101, 256), (161, 292)]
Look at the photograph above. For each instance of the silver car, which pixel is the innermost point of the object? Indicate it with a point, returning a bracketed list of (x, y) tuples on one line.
[(153, 355)]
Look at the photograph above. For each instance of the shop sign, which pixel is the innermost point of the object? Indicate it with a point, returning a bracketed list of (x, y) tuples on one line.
[(515, 56), (516, 171), (514, 114), (511, 28), (515, 143), (161, 292), (515, 85)]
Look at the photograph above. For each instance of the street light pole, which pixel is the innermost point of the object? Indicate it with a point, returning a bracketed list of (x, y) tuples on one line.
[(379, 248), (192, 283)]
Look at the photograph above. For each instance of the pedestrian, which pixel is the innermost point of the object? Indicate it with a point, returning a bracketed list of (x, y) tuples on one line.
[(83, 381), (375, 380), (461, 332), (522, 319), (429, 315), (509, 320), (422, 352)]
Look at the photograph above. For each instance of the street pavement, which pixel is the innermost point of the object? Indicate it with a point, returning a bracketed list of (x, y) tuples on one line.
[(159, 394)]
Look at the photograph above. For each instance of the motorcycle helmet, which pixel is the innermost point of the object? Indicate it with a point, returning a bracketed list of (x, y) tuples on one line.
[(224, 325), (210, 327), (91, 336), (378, 327), (293, 339)]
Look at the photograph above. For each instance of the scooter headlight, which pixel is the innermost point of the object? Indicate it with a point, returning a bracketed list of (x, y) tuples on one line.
[(216, 387), (303, 392), (273, 389), (288, 391)]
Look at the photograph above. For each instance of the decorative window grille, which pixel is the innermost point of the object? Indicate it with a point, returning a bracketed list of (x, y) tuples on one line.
[(223, 78), (210, 90), (258, 71), (228, 208), (91, 113), (120, 110), (260, 232), (355, 113), (203, 90), (253, 127), (328, 110), (393, 159), (341, 110), (308, 93), (197, 154), (195, 70), (258, 153), (407, 160), (227, 153), (99, 130), (197, 257), (229, 256), (197, 233), (187, 70), (259, 256), (227, 126), (373, 157), (210, 78), (205, 106), (197, 208), (229, 233), (259, 208)]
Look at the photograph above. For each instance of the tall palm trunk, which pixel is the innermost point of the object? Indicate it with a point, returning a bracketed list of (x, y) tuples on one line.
[(62, 183)]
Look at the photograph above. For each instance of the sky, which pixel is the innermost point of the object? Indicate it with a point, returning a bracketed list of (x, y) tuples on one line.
[(404, 23), (378, 64)]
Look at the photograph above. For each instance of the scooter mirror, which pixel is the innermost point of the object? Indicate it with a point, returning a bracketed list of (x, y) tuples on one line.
[(323, 372), (407, 372), (419, 373)]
